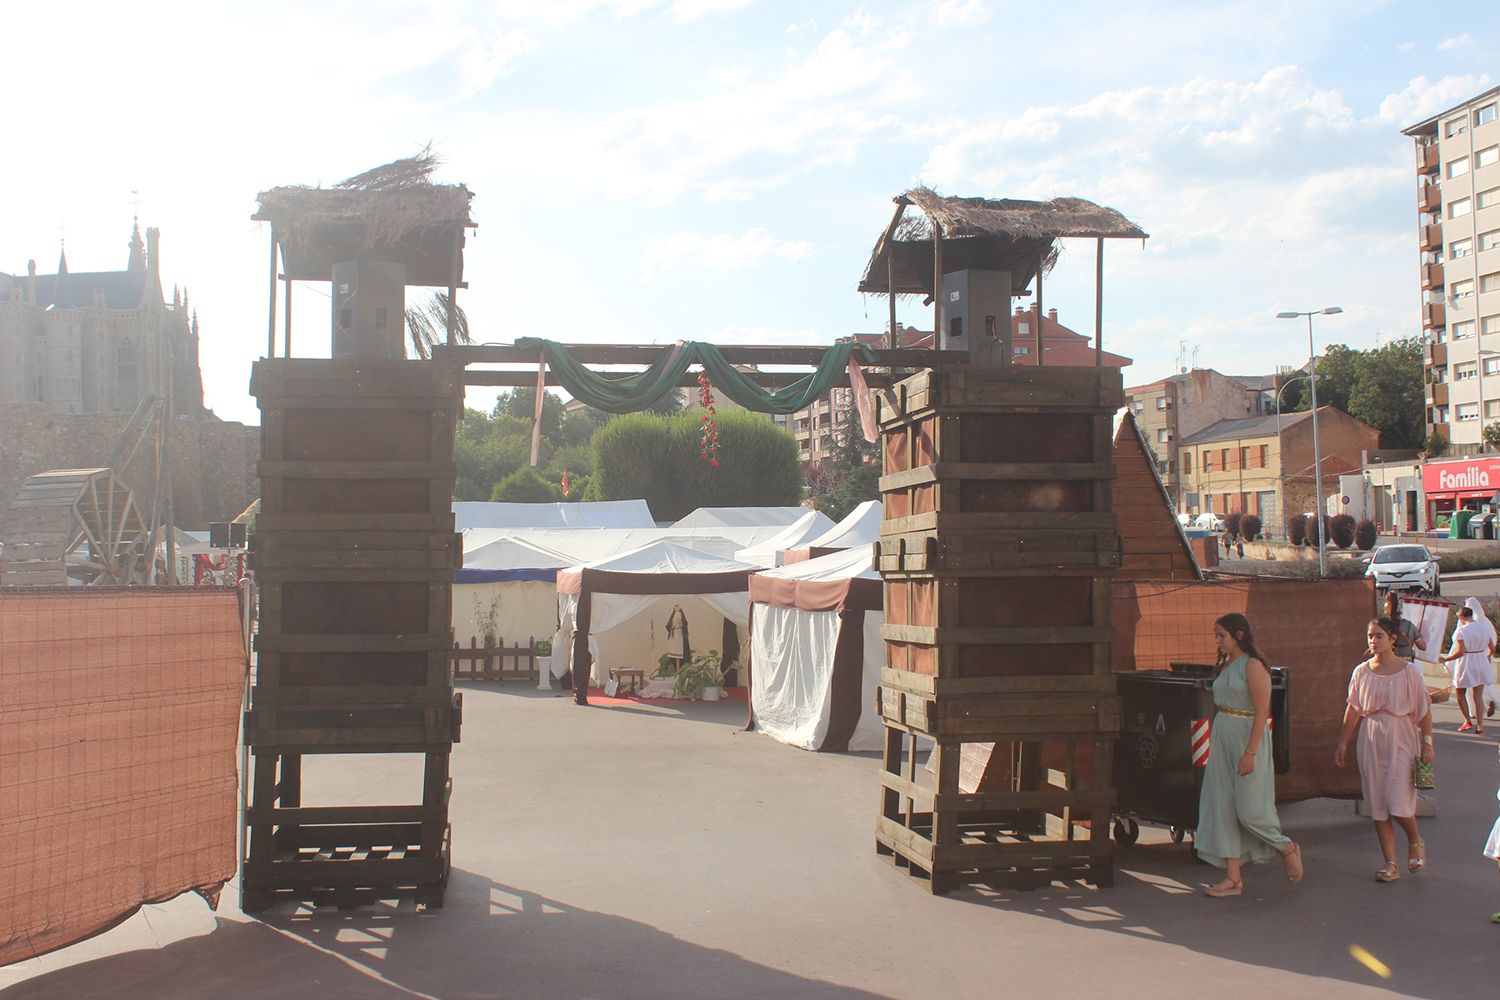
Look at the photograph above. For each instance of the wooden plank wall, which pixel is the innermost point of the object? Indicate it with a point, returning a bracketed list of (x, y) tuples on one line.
[(1153, 546)]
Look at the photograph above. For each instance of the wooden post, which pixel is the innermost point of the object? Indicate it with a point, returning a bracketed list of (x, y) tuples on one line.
[(271, 322), (286, 335), (453, 265), (937, 282), (892, 340), (1099, 305), (1040, 357)]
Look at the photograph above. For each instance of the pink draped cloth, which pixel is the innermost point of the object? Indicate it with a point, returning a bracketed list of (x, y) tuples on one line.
[(1391, 708)]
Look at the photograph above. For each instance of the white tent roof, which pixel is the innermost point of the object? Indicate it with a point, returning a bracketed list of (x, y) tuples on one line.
[(861, 526), (850, 564), (510, 552), (663, 557), (604, 514), (741, 517), (584, 545), (810, 525)]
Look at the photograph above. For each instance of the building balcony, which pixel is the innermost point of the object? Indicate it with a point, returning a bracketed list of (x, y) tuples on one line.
[(1433, 315), (1437, 394), (1432, 276), (1427, 158), (1435, 355), (1431, 198), (1432, 236)]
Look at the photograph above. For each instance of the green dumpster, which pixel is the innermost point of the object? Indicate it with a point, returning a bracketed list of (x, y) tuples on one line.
[(1460, 526)]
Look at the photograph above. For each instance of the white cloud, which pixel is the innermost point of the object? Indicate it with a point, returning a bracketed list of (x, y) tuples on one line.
[(1455, 42), (691, 10), (1406, 48), (952, 13), (721, 252), (1422, 99)]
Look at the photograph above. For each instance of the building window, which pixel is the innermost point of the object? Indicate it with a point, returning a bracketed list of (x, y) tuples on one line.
[(1163, 435), (1020, 351), (1464, 372), (1208, 460), (1224, 459), (1458, 167), (1161, 403), (1492, 366), (1458, 209), (1136, 406), (1187, 463), (1265, 455), (1492, 409), (125, 361), (1463, 330), (1460, 248), (1461, 290), (1484, 115), (1439, 375), (1489, 240), (1488, 198), (1439, 415), (1455, 126), (1486, 157), (1439, 334), (1244, 456), (1490, 282), (1491, 324), (1465, 412)]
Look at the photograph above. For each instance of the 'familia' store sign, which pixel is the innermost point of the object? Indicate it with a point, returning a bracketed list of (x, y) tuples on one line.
[(1448, 484)]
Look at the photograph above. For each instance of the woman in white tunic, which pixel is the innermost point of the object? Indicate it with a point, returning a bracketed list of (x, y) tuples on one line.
[(1474, 670)]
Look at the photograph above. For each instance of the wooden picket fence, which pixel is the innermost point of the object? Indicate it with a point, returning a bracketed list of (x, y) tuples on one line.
[(499, 662)]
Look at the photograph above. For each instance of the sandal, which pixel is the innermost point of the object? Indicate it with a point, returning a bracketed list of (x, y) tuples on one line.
[(1388, 872), (1466, 726), (1223, 889), (1418, 858), (1291, 860)]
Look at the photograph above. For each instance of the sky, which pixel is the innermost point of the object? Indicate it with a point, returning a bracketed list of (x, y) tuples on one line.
[(653, 170)]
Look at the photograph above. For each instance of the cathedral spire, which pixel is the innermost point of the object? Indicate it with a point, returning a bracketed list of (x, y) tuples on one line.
[(137, 249)]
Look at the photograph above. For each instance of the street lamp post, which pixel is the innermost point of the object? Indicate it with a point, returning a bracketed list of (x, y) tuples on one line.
[(1312, 380)]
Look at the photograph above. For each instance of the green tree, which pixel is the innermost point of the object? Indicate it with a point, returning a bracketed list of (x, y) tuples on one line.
[(520, 402), (1338, 372), (1492, 434), (657, 458), (526, 485), (1388, 393), (486, 449)]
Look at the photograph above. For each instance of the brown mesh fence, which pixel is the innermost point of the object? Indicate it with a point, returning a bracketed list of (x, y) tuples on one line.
[(1316, 628), (119, 714)]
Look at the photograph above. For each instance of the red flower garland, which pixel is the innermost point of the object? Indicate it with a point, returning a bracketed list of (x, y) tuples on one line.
[(708, 433)]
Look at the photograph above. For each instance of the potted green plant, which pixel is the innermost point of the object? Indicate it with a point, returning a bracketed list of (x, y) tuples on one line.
[(666, 665), (702, 676), (541, 658)]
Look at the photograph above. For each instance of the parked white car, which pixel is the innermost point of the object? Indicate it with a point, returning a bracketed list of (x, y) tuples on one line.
[(1206, 522), (1404, 567)]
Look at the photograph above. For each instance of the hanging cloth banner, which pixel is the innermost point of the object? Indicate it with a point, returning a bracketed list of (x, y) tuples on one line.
[(628, 393), (863, 404)]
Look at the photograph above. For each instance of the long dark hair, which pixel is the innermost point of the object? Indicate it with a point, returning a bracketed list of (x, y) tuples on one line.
[(1238, 627)]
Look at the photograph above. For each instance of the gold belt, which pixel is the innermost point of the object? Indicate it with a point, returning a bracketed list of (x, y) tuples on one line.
[(1235, 712)]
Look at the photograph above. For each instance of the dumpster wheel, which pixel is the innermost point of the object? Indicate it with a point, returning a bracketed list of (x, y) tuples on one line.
[(1126, 830), (1178, 834)]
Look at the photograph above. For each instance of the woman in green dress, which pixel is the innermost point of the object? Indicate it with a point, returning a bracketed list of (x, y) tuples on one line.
[(1237, 807)]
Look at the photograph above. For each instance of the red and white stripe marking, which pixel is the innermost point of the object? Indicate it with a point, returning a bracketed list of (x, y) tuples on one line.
[(1200, 738)]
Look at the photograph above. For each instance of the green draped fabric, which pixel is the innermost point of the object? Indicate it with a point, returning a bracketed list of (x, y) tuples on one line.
[(628, 393)]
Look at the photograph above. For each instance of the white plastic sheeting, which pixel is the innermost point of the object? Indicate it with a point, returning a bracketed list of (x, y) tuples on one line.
[(602, 514), (741, 517), (770, 552), (861, 526)]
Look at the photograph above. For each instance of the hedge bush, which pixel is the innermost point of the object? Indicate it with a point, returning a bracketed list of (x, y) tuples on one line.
[(1341, 530), (1366, 534), (1250, 527), (1296, 530), (1232, 522)]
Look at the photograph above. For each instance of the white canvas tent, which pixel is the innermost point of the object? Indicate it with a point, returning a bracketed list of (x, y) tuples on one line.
[(815, 633), (613, 612), (741, 517), (509, 585), (602, 514), (861, 526), (771, 551)]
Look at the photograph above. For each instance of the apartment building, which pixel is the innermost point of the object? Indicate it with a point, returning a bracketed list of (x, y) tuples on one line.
[(1264, 465), (1458, 236), (1179, 406)]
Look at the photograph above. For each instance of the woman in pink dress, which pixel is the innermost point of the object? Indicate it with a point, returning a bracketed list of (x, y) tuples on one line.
[(1389, 706)]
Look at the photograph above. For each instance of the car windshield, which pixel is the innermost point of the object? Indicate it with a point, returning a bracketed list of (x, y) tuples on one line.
[(1402, 554)]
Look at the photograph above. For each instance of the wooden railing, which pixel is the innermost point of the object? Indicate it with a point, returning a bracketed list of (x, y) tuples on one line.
[(499, 662)]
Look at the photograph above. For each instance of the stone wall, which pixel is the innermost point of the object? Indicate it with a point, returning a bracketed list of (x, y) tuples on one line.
[(213, 461)]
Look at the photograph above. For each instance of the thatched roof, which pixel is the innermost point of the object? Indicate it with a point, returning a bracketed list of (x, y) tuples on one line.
[(1005, 234), (393, 212)]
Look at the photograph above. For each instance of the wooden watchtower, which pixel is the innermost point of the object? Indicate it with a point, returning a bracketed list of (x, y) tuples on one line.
[(354, 547), (996, 552)]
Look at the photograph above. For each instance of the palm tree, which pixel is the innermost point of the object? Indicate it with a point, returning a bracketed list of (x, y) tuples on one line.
[(427, 325)]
